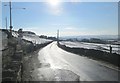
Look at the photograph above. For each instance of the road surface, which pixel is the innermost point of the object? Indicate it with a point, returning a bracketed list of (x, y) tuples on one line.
[(87, 69)]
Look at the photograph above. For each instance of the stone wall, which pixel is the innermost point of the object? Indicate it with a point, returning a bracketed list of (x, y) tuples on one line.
[(12, 62)]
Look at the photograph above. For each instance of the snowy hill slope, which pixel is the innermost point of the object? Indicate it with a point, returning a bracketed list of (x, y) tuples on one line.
[(33, 38)]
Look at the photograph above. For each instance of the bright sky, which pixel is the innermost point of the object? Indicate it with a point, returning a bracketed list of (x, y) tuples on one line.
[(71, 18)]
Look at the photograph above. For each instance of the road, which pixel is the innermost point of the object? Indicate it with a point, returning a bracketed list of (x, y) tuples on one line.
[(87, 69)]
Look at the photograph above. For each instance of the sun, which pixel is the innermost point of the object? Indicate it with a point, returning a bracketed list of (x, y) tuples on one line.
[(54, 2)]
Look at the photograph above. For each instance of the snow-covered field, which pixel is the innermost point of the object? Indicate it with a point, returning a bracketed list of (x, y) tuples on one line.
[(33, 38), (102, 47)]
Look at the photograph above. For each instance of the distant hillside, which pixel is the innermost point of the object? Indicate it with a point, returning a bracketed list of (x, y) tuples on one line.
[(92, 36)]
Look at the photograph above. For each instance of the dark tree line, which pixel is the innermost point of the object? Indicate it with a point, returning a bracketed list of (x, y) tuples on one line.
[(46, 37)]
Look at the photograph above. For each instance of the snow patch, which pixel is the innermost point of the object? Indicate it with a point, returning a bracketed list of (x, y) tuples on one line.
[(95, 46)]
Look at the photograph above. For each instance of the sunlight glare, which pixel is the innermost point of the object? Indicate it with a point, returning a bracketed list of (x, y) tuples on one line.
[(54, 2)]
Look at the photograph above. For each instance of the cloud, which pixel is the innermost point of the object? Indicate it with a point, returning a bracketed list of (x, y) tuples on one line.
[(75, 28), (70, 28), (69, 33)]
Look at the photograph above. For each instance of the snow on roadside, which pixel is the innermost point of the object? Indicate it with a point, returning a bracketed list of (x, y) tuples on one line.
[(102, 47), (15, 34)]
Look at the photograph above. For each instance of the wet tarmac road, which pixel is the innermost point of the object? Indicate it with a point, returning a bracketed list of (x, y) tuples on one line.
[(87, 69)]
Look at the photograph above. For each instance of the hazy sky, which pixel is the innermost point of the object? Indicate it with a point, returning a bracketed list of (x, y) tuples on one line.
[(71, 18)]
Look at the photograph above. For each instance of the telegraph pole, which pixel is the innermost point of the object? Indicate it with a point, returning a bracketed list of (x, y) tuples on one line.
[(10, 8), (58, 37), (6, 22), (10, 17)]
